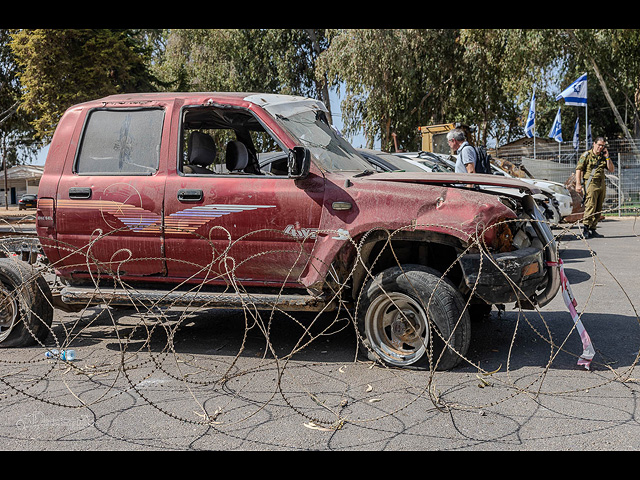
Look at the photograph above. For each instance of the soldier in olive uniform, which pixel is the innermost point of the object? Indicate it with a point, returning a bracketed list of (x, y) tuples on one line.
[(590, 168)]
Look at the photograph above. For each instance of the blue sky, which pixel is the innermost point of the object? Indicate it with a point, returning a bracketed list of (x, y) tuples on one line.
[(42, 156), (358, 141)]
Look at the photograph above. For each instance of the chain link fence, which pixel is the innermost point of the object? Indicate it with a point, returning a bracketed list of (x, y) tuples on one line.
[(557, 162)]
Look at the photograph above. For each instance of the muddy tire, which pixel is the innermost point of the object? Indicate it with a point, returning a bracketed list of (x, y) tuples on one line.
[(406, 314), (26, 310)]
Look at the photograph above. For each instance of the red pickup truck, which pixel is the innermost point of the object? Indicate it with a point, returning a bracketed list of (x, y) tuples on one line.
[(238, 200)]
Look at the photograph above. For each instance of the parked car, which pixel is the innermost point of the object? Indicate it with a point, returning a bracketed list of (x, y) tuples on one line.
[(554, 199), (388, 162), (434, 161), (134, 191), (559, 191), (27, 201)]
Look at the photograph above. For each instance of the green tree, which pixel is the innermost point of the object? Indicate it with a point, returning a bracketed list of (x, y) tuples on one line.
[(502, 69), (610, 57), (260, 60), (16, 144), (59, 68), (550, 59), (394, 80), (397, 80)]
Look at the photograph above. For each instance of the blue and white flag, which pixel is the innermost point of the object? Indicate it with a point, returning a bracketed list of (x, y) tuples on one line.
[(576, 93), (576, 135), (556, 128), (531, 119), (589, 140)]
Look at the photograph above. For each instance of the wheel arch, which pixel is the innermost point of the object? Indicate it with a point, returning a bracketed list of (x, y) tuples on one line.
[(379, 250)]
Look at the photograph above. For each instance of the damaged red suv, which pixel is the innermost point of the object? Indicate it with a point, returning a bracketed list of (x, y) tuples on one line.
[(237, 200)]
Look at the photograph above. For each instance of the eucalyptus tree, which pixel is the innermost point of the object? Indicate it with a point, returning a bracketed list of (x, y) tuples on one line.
[(263, 60), (394, 80), (59, 68), (397, 80), (16, 134)]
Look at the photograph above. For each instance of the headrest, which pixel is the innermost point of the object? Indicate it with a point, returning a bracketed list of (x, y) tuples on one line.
[(237, 156), (202, 149)]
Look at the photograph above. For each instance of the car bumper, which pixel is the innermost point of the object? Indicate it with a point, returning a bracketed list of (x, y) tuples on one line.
[(504, 277), (528, 275), (565, 205)]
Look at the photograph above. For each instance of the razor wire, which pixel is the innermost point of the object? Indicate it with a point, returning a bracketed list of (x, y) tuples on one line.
[(220, 388)]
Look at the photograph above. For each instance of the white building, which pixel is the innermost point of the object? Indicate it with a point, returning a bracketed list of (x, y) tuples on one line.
[(19, 180)]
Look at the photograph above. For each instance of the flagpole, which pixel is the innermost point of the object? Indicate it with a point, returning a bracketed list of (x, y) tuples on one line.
[(586, 122)]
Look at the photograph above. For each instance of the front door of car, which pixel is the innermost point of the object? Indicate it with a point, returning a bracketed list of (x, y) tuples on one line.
[(232, 223), (253, 230)]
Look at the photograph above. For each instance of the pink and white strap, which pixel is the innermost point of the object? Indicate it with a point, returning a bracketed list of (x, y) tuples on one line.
[(588, 351)]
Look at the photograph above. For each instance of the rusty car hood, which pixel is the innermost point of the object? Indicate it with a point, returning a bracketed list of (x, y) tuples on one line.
[(455, 179), (397, 201)]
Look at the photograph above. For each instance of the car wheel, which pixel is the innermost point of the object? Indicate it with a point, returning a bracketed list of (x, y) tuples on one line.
[(411, 317), (26, 310)]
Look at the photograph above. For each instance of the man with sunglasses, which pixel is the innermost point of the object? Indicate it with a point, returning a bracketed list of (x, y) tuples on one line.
[(590, 168)]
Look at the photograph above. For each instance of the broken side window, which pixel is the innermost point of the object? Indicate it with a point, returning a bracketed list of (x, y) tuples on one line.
[(230, 141), (120, 141)]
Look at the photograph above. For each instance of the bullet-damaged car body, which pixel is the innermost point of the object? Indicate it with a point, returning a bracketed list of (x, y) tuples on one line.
[(161, 198)]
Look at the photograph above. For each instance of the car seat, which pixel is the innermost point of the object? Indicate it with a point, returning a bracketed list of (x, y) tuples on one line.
[(202, 152), (237, 156)]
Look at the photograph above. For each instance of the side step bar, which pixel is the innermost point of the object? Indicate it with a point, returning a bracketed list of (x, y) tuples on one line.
[(82, 297)]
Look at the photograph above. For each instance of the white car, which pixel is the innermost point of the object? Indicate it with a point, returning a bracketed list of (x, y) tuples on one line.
[(560, 192), (555, 196), (387, 162)]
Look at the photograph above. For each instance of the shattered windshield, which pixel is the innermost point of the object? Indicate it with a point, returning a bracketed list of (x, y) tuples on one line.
[(330, 151)]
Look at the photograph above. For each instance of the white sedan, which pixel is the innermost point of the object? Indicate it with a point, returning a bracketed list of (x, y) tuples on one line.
[(554, 195), (560, 192)]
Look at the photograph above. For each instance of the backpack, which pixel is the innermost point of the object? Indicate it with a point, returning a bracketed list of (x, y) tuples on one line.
[(483, 160)]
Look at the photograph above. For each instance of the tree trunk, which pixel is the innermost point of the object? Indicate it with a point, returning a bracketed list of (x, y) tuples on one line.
[(323, 86)]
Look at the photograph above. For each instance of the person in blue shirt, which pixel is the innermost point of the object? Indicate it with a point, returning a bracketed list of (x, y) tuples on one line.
[(466, 162)]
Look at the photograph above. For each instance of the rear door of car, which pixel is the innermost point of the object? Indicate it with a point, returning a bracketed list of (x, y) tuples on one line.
[(110, 197)]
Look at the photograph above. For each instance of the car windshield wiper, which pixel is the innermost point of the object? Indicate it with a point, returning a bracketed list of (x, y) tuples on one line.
[(364, 173)]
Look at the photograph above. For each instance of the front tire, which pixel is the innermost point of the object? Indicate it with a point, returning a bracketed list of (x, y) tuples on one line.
[(408, 315), (26, 310)]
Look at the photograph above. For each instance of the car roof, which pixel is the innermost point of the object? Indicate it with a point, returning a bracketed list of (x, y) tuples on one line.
[(237, 98)]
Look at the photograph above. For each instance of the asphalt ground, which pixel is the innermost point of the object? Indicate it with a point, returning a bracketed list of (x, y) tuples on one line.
[(225, 380)]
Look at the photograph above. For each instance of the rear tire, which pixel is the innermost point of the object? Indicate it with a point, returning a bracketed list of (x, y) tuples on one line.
[(26, 310), (406, 314)]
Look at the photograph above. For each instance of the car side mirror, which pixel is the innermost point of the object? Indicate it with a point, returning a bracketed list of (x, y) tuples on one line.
[(299, 162)]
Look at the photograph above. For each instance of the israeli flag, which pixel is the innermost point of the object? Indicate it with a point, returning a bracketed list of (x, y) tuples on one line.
[(531, 119), (589, 140), (576, 135), (576, 93), (556, 128)]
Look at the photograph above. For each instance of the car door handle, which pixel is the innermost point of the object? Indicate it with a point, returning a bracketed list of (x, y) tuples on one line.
[(189, 195), (80, 192)]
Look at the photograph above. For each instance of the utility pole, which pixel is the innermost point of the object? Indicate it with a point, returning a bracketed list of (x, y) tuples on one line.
[(4, 169), (3, 117)]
